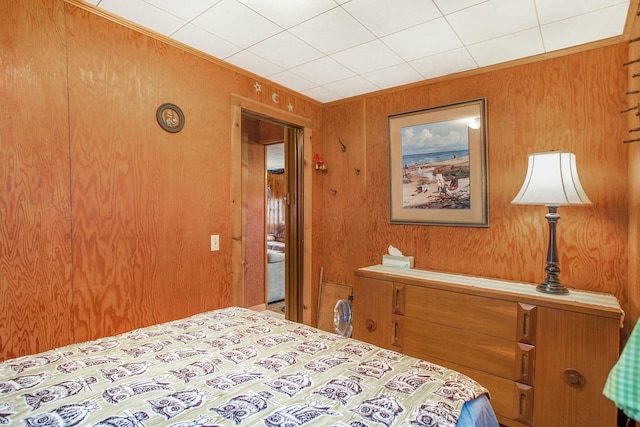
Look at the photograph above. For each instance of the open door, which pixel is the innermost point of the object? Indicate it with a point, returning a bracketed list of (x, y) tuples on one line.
[(297, 275), (294, 218)]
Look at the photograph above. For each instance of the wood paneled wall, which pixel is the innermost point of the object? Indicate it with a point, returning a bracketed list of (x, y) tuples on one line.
[(276, 204), (35, 209), (104, 217), (144, 201), (633, 120), (254, 219), (567, 103)]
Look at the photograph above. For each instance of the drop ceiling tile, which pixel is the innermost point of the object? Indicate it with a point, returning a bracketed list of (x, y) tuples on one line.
[(359, 58), (423, 40), (353, 86), (450, 62), (321, 94), (394, 76), (331, 42), (144, 14), (233, 21), (322, 71), (388, 17), (586, 28), (186, 10), (332, 31), (206, 42), (450, 6), (493, 18), (554, 10), (286, 50), (289, 13), (253, 63), (507, 48), (291, 81)]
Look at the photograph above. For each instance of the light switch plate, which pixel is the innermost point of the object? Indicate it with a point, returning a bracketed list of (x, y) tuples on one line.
[(215, 242)]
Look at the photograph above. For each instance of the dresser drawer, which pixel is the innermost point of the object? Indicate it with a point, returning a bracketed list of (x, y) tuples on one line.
[(496, 356), (487, 316), (527, 348), (510, 400)]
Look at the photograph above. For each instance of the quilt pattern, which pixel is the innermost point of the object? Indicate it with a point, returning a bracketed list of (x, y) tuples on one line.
[(229, 367)]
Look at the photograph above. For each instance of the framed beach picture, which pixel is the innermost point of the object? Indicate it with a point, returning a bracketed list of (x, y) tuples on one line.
[(438, 166)]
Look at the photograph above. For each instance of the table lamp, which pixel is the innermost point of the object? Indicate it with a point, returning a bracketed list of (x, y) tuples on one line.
[(552, 180)]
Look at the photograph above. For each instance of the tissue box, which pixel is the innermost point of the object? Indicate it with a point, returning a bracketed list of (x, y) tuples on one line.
[(397, 261)]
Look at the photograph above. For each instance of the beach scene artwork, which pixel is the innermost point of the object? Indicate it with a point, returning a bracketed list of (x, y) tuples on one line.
[(435, 172)]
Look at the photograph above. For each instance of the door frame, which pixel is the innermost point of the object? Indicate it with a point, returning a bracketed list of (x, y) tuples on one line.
[(238, 104)]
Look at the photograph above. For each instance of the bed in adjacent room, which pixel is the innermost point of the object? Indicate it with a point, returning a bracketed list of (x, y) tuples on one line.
[(235, 367)]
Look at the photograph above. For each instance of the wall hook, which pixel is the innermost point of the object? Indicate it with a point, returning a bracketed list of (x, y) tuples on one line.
[(334, 192), (357, 171), (344, 147)]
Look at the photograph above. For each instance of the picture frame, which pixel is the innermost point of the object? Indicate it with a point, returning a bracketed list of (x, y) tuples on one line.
[(170, 117), (438, 166)]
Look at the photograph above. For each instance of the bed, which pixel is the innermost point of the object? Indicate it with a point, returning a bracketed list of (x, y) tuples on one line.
[(235, 367)]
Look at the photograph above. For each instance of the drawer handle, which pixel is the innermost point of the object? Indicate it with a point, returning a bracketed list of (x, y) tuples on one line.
[(574, 378), (523, 405), (525, 325), (395, 332), (524, 372), (371, 325)]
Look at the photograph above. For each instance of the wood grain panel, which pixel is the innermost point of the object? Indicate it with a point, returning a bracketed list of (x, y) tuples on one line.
[(633, 122), (567, 342), (87, 171), (487, 316), (276, 204), (344, 193), (144, 201), (503, 392), (254, 218), (486, 353), (564, 103), (372, 311), (35, 245)]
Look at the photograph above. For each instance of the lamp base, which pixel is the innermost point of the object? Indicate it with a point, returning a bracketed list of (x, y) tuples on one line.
[(551, 284), (552, 288)]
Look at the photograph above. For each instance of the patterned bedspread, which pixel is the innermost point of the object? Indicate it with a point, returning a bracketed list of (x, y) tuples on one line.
[(229, 367)]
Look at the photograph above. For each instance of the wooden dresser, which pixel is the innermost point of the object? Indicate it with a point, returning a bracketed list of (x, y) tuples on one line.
[(544, 358)]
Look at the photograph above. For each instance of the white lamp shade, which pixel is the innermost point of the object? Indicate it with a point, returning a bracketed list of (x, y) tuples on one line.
[(552, 180)]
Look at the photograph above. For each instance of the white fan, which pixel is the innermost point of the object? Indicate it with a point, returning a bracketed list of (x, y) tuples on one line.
[(342, 318)]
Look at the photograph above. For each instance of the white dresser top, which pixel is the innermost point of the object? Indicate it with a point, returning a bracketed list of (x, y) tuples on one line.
[(582, 297)]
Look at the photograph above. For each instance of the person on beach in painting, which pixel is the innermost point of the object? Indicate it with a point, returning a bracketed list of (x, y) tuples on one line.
[(453, 184), (423, 187), (442, 187)]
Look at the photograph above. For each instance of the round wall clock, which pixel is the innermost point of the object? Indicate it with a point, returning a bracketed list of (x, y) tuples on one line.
[(170, 117)]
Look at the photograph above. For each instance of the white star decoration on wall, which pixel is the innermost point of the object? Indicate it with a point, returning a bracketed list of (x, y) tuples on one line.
[(258, 87)]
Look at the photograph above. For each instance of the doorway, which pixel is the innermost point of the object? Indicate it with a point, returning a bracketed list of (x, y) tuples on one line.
[(275, 226), (298, 232)]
